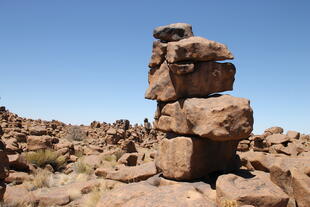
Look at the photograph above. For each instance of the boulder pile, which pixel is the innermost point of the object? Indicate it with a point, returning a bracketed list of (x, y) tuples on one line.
[(203, 127)]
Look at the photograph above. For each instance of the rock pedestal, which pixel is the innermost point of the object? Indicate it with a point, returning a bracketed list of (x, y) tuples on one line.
[(206, 127)]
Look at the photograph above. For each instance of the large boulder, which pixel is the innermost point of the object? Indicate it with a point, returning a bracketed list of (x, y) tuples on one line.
[(143, 194), (301, 185), (173, 32), (197, 49), (39, 142), (187, 158), (171, 82), (246, 188), (220, 117), (133, 173)]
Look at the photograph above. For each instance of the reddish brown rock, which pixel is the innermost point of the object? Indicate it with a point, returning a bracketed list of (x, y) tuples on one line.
[(158, 54), (276, 139), (128, 159), (39, 142), (173, 32), (187, 158), (219, 118), (249, 189), (197, 49), (37, 131), (273, 130), (143, 194), (206, 78), (301, 185), (293, 135), (133, 174), (182, 68)]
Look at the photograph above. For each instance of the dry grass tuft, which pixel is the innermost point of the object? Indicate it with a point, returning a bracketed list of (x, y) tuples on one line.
[(81, 167), (41, 158), (229, 203)]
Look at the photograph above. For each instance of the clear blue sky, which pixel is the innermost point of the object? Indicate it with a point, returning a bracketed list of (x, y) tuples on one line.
[(78, 61)]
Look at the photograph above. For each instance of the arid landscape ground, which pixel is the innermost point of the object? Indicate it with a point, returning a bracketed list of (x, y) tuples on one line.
[(199, 152)]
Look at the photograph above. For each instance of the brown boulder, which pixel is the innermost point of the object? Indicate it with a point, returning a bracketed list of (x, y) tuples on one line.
[(39, 142), (143, 194), (37, 131), (158, 54), (276, 139), (206, 78), (18, 162), (301, 186), (173, 32), (187, 158), (197, 49), (220, 117), (273, 130), (128, 159), (134, 173), (246, 188), (293, 135)]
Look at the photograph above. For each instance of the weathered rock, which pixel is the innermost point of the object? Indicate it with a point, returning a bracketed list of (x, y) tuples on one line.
[(128, 159), (18, 195), (258, 160), (197, 49), (182, 68), (276, 139), (158, 54), (273, 130), (207, 78), (17, 177), (133, 174), (173, 32), (293, 135), (282, 175), (143, 194), (219, 118), (4, 163), (37, 131), (39, 142), (18, 162), (301, 185), (187, 158), (249, 189)]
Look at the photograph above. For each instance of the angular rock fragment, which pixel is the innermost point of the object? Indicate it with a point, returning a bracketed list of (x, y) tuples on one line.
[(187, 158), (220, 118), (173, 32), (158, 54), (197, 49), (246, 188), (166, 83)]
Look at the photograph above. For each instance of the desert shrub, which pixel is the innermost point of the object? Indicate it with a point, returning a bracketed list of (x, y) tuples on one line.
[(41, 158), (81, 167), (41, 178), (75, 133)]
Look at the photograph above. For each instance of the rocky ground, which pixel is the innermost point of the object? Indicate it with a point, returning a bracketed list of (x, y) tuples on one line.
[(54, 164)]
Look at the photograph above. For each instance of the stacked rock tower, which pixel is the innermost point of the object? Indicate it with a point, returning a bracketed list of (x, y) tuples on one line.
[(203, 128)]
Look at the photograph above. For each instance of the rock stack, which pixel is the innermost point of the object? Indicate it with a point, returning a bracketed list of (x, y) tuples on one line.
[(203, 128)]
